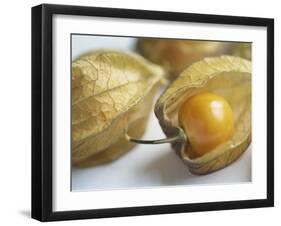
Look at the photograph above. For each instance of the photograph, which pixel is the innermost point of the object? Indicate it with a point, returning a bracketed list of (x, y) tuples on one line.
[(149, 112)]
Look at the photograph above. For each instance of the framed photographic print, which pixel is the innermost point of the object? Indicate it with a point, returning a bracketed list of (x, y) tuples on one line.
[(145, 112)]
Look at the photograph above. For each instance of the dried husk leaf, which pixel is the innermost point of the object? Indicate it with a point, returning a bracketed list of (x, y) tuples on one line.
[(112, 92), (227, 76), (176, 55), (136, 129)]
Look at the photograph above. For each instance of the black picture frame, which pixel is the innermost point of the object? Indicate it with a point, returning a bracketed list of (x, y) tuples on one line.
[(42, 107)]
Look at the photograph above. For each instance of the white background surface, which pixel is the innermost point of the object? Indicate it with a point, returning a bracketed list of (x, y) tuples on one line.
[(146, 165), (15, 114)]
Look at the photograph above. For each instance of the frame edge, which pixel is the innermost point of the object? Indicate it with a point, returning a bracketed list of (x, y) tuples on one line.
[(270, 112), (36, 156), (41, 204)]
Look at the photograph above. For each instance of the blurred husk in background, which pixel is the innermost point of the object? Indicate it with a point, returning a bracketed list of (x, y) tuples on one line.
[(176, 55)]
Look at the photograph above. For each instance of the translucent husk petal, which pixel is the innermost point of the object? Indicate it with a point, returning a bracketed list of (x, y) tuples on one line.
[(227, 76)]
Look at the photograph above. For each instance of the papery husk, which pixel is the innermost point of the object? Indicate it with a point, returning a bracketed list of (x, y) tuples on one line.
[(243, 50), (112, 92), (227, 76), (176, 55)]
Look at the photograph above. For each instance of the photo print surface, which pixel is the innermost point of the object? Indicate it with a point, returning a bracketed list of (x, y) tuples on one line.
[(150, 112)]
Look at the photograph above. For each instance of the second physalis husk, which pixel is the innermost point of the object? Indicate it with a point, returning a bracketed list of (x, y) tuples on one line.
[(229, 77), (243, 50), (176, 55), (112, 94)]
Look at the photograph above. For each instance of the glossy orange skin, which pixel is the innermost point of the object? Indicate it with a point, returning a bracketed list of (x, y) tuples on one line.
[(207, 120)]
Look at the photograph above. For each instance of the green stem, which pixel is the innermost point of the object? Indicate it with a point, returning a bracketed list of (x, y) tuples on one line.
[(178, 137)]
